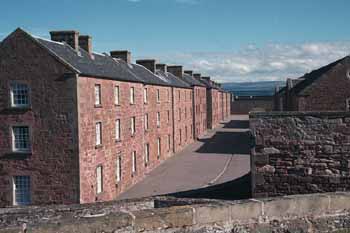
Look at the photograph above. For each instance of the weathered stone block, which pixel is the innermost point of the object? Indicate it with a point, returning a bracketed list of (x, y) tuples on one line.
[(246, 212), (212, 214)]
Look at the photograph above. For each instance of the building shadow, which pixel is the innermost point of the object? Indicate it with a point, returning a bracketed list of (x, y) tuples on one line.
[(237, 124), (233, 190), (226, 143)]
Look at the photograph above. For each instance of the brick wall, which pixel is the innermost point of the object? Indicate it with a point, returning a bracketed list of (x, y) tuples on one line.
[(52, 163), (200, 106), (300, 152)]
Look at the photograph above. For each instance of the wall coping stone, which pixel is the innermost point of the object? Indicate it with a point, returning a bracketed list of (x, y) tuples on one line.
[(253, 115)]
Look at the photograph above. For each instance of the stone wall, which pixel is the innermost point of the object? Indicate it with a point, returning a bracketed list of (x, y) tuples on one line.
[(298, 152), (246, 104), (302, 213)]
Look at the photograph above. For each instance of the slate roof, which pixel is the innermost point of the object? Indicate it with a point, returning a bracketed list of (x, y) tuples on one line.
[(147, 76), (172, 79), (101, 66), (309, 78), (207, 83), (192, 81)]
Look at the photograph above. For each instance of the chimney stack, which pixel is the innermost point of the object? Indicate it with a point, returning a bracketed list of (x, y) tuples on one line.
[(150, 64), (162, 67), (206, 78), (124, 55), (176, 70), (289, 83), (85, 43), (69, 37), (197, 76), (189, 72)]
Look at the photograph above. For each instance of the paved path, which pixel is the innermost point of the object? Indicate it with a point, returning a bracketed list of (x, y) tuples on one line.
[(220, 157)]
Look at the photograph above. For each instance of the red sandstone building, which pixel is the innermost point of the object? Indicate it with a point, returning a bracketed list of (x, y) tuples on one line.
[(80, 127), (324, 89)]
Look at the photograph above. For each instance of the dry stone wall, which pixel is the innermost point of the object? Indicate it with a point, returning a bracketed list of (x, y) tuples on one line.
[(298, 153)]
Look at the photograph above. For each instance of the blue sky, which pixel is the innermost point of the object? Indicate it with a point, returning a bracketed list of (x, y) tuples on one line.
[(231, 40)]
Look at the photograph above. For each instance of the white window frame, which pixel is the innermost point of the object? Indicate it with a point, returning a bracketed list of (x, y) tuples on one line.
[(14, 148), (116, 95), (158, 119), (159, 147), (134, 162), (145, 95), (99, 179), (147, 151), (118, 169), (24, 196), (132, 95), (146, 122), (158, 96), (17, 87), (98, 133), (133, 125), (98, 100), (117, 130)]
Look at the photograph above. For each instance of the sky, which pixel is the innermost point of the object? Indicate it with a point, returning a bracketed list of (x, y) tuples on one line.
[(229, 40)]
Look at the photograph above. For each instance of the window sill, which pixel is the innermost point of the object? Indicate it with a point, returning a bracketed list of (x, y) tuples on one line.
[(98, 146), (132, 135), (98, 105), (117, 105), (118, 140)]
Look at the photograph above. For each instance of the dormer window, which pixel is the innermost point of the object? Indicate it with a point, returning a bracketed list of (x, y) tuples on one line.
[(19, 95)]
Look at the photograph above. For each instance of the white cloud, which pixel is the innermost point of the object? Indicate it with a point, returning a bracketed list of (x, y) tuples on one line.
[(269, 62)]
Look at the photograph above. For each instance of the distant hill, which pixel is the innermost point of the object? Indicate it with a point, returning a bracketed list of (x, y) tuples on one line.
[(253, 88)]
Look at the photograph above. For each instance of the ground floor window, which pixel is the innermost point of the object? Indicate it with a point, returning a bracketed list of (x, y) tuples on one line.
[(21, 190), (99, 179), (146, 153)]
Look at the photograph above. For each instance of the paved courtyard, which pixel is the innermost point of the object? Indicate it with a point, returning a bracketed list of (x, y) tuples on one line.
[(217, 165)]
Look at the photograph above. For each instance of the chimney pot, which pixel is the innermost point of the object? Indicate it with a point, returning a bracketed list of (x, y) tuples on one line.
[(69, 37), (150, 64), (176, 70), (85, 43), (162, 67), (125, 55)]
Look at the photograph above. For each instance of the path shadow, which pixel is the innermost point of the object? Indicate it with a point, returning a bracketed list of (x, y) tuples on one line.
[(237, 124), (237, 189), (226, 143)]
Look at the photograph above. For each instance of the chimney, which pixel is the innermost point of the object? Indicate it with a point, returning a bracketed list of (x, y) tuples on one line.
[(162, 67), (206, 78), (124, 55), (176, 70), (69, 37), (197, 76), (150, 64), (189, 72), (85, 43), (289, 83)]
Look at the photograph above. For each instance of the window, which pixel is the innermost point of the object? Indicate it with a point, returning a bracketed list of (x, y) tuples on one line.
[(146, 121), (21, 190), (99, 179), (178, 93), (117, 130), (133, 158), (98, 133), (180, 135), (158, 119), (348, 104), (146, 153), (132, 95), (20, 138), (19, 95), (185, 133), (158, 95), (97, 94), (116, 95), (145, 95), (168, 112), (133, 128), (169, 142), (185, 112), (179, 114), (158, 148)]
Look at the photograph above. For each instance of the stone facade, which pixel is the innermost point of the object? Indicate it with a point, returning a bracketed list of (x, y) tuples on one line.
[(62, 116), (300, 152), (52, 116)]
